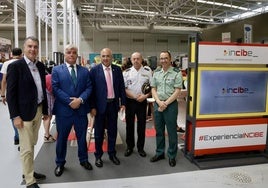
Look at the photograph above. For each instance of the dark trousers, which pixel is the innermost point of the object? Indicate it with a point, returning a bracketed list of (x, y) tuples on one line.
[(64, 126), (106, 120), (139, 109)]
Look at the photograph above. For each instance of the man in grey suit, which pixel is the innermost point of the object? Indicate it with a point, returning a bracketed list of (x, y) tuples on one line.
[(27, 103)]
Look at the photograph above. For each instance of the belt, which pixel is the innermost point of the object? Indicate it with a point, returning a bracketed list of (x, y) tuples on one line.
[(110, 100), (39, 104)]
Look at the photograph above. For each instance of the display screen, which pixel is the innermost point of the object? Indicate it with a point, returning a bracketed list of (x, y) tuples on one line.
[(229, 92)]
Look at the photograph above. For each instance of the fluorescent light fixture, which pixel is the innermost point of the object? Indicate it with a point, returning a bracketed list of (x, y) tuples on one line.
[(222, 4), (247, 14)]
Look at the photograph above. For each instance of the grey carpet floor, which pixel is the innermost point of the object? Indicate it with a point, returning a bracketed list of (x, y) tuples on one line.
[(132, 166)]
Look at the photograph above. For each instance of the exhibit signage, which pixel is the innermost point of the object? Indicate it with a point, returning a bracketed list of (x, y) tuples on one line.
[(224, 53), (230, 136), (233, 91)]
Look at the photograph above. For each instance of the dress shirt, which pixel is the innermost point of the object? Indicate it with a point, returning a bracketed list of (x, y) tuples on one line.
[(37, 79), (111, 74)]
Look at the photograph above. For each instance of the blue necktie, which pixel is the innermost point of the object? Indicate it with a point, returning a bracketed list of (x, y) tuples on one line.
[(73, 75)]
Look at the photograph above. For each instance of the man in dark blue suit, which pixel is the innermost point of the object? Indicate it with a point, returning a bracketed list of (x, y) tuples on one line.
[(27, 103), (107, 98), (71, 87)]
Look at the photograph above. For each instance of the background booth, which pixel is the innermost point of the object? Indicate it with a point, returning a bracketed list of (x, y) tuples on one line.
[(227, 102)]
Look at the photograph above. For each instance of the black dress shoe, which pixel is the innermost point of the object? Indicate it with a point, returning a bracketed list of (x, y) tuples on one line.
[(157, 158), (142, 153), (58, 170), (99, 163), (86, 165), (16, 142), (35, 185), (37, 176), (172, 162), (115, 160), (128, 152), (180, 130)]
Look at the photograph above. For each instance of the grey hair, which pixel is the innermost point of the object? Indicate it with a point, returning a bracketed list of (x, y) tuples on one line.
[(70, 46), (33, 39)]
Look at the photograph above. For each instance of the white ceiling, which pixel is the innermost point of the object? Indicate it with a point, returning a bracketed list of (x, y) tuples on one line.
[(144, 15)]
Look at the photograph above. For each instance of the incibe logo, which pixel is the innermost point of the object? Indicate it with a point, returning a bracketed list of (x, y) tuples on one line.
[(233, 90), (241, 52)]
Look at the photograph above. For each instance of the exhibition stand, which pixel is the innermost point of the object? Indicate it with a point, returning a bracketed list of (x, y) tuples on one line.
[(227, 102)]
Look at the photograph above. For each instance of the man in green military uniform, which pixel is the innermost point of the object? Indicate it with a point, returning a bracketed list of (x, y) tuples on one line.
[(166, 85)]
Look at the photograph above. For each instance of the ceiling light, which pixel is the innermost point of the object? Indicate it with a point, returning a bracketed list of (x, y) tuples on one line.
[(222, 4)]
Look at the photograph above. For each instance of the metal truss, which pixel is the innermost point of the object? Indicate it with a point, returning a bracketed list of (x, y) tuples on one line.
[(143, 13)]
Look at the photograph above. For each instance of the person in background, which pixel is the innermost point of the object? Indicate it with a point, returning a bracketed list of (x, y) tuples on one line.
[(107, 98), (1, 76), (48, 138), (126, 63), (71, 87), (27, 103), (16, 54), (136, 103), (166, 86)]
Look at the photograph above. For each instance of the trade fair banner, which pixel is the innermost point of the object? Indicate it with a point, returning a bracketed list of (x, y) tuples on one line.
[(230, 136), (232, 53)]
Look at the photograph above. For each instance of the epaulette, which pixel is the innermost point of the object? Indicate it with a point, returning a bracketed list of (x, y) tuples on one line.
[(158, 69), (176, 69), (127, 70), (145, 68)]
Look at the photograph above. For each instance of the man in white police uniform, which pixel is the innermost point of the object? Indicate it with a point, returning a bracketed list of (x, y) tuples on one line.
[(137, 80)]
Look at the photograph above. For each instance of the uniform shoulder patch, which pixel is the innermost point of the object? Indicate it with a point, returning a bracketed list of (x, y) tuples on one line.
[(158, 69), (176, 69), (145, 68)]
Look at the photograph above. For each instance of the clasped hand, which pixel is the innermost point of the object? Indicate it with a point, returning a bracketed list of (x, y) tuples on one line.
[(162, 105), (75, 103)]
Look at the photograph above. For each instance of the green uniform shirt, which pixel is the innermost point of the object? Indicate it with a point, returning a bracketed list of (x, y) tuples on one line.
[(166, 82)]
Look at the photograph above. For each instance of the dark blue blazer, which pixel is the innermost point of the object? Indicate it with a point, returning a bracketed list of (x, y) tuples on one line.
[(22, 91), (99, 95), (64, 88)]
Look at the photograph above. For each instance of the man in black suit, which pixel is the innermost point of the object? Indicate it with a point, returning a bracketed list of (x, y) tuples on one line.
[(27, 103), (107, 99)]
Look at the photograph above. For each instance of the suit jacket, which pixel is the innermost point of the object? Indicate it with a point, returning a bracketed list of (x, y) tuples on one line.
[(22, 92), (64, 88), (99, 95)]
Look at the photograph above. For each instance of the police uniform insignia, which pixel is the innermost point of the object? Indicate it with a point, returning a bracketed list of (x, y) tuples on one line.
[(129, 82), (176, 69), (145, 68)]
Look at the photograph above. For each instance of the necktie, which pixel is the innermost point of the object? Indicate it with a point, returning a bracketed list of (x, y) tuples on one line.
[(109, 83), (73, 75)]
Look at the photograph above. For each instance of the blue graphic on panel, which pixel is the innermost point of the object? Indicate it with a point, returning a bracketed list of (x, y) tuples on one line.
[(225, 92)]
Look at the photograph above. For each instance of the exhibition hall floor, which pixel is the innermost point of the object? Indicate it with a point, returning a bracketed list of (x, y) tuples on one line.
[(10, 170)]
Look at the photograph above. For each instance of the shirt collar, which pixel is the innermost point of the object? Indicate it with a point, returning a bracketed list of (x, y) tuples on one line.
[(68, 65), (28, 60), (104, 67), (169, 69)]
